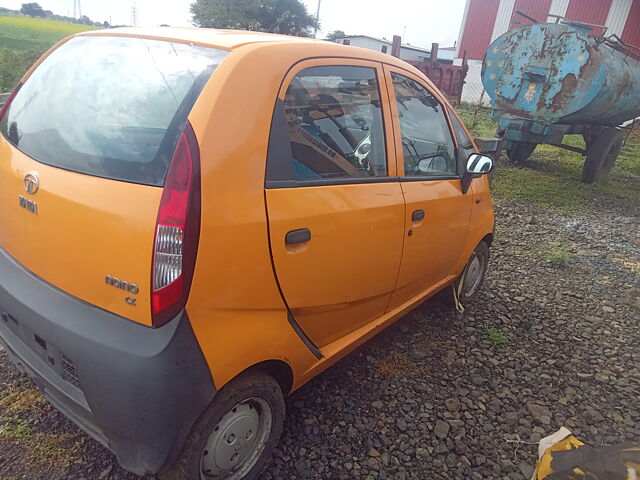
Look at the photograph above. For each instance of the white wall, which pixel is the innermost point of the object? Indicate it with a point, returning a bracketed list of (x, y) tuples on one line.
[(374, 44), (473, 88), (617, 17), (503, 18), (558, 7)]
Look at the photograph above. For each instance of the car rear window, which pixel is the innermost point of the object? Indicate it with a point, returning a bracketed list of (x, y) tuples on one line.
[(110, 106)]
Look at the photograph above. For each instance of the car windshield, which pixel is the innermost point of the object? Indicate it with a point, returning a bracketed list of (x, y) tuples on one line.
[(109, 106)]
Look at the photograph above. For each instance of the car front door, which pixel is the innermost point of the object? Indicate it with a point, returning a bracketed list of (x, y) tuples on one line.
[(437, 211), (334, 202)]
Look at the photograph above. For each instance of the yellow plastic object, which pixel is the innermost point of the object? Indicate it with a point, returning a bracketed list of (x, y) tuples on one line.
[(571, 459)]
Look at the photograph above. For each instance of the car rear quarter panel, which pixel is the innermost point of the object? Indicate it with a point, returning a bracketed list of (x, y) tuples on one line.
[(235, 306)]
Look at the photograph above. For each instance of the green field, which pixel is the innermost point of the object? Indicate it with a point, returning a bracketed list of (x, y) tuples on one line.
[(26, 33), (23, 40)]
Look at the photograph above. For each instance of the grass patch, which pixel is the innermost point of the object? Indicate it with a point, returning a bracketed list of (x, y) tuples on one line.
[(551, 177), (46, 450), (23, 40), (558, 256), (496, 337), (628, 162), (14, 429), (25, 33), (477, 120), (554, 253), (51, 450), (22, 402), (540, 188), (58, 451)]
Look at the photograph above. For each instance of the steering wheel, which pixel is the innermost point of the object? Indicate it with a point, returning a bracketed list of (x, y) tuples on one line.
[(361, 154)]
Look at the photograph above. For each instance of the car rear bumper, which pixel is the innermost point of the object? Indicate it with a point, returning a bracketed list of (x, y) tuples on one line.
[(135, 389)]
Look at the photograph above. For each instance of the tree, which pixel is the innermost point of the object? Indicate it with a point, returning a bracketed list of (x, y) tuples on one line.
[(32, 9), (336, 34), (289, 17), (84, 20)]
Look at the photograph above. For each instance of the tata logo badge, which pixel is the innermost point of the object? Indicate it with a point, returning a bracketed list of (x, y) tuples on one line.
[(31, 183)]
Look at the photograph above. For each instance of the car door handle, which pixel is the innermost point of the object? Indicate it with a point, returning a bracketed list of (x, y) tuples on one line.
[(302, 235), (417, 215)]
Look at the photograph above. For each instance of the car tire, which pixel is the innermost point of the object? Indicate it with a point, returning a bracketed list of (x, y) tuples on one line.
[(602, 152), (245, 421), (521, 151), (473, 275)]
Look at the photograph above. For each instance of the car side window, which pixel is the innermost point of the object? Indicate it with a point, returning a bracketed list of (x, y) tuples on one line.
[(464, 141), (335, 124), (427, 144)]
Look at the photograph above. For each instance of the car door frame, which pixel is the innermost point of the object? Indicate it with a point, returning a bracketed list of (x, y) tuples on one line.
[(276, 171), (426, 83), (399, 155), (274, 167)]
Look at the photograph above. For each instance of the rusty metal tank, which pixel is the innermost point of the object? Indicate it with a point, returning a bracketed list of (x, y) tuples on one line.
[(557, 73)]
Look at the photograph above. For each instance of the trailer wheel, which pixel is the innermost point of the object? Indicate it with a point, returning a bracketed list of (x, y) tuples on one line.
[(602, 153), (521, 151)]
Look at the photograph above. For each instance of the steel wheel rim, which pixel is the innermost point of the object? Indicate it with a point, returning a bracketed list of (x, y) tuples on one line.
[(237, 441), (473, 275)]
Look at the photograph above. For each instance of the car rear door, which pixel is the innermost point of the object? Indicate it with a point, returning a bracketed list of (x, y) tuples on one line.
[(437, 211), (335, 206), (85, 145)]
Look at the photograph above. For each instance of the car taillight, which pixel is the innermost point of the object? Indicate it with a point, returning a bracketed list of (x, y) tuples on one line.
[(6, 105), (177, 231)]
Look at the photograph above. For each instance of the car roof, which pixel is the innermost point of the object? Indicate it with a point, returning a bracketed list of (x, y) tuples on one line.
[(229, 39), (234, 39)]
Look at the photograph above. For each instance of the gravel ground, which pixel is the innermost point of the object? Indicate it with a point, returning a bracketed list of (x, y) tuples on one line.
[(552, 342)]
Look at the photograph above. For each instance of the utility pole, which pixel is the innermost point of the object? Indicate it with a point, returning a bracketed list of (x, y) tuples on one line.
[(134, 14), (77, 9), (315, 30)]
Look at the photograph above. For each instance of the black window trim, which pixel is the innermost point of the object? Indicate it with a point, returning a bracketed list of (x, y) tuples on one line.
[(271, 184), (277, 150), (445, 108)]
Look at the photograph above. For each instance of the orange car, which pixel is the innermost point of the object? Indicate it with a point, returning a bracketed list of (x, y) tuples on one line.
[(194, 223)]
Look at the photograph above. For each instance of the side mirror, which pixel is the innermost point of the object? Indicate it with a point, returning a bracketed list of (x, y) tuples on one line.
[(479, 164)]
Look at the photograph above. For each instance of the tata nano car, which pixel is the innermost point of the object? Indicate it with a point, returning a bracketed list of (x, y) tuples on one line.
[(194, 223)]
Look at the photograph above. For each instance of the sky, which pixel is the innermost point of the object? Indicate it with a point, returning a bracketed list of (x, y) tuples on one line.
[(422, 21)]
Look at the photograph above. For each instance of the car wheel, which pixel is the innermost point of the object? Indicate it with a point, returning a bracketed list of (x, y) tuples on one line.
[(521, 151), (235, 437), (473, 275), (602, 153)]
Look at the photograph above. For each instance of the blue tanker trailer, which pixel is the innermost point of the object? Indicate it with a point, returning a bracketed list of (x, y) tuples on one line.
[(548, 80)]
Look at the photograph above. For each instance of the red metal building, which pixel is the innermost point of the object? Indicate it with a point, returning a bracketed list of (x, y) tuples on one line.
[(486, 20)]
